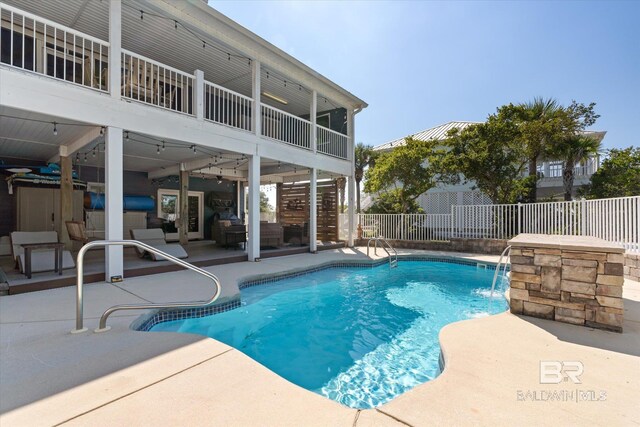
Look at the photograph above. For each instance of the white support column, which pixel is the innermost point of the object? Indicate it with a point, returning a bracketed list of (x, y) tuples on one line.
[(198, 108), (351, 182), (255, 94), (253, 241), (113, 213), (239, 196), (313, 211), (115, 47), (314, 118)]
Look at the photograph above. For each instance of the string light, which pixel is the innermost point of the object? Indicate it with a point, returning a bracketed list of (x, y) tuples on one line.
[(102, 131), (55, 128), (126, 135), (188, 30), (158, 150)]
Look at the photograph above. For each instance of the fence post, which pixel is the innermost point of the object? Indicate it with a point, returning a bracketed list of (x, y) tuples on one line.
[(402, 226), (519, 216), (583, 217), (452, 222)]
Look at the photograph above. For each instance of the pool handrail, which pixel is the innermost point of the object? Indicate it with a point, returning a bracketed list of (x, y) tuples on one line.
[(103, 319), (392, 262)]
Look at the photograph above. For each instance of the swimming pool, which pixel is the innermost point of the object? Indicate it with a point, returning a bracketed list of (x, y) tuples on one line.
[(359, 336)]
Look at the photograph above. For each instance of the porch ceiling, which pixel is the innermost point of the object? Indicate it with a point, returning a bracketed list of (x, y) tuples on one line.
[(156, 38), (27, 139), (23, 138)]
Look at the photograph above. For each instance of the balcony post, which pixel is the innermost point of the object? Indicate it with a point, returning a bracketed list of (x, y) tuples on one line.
[(115, 47), (352, 179), (313, 117), (113, 213), (313, 211), (256, 91), (198, 97)]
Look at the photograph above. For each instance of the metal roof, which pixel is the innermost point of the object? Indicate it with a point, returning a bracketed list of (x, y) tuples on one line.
[(439, 133), (435, 133)]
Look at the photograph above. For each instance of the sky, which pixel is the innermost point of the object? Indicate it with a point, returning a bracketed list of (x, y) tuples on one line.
[(419, 64)]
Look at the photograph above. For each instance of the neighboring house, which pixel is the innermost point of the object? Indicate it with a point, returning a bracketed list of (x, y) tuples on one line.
[(160, 100), (439, 200)]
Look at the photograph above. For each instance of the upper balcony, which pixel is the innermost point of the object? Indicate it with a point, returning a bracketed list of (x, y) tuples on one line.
[(171, 65)]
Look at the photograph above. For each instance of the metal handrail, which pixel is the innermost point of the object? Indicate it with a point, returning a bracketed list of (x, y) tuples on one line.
[(375, 248), (103, 319)]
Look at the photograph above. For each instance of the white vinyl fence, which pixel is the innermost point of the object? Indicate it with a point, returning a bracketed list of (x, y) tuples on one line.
[(616, 220)]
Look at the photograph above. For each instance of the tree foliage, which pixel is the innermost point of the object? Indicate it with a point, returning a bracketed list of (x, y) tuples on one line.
[(571, 150), (495, 154), (618, 176), (490, 154), (364, 157), (264, 203), (408, 170), (392, 202)]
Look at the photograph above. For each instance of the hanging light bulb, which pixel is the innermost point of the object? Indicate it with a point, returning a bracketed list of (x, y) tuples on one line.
[(102, 131), (126, 135), (163, 145), (278, 165), (85, 157), (94, 152), (158, 149), (194, 149), (55, 128), (141, 14), (175, 24)]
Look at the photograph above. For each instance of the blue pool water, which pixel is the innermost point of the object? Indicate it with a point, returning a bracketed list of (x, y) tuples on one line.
[(360, 336)]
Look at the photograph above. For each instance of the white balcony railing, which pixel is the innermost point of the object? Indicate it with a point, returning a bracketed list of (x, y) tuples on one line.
[(332, 143), (285, 127), (227, 107), (152, 82), (38, 45), (41, 46)]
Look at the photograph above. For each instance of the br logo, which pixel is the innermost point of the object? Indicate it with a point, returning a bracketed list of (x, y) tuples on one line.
[(555, 372)]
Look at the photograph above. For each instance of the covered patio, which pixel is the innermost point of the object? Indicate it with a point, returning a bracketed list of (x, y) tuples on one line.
[(157, 176)]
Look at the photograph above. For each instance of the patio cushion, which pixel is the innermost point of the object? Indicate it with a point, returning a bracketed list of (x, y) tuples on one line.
[(155, 237), (44, 260)]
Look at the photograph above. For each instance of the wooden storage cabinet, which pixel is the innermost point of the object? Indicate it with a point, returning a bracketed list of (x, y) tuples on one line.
[(38, 209)]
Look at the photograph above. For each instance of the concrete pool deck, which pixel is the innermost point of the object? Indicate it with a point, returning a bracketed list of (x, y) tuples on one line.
[(49, 376)]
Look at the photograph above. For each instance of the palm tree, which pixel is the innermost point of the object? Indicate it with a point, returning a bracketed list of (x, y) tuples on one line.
[(364, 157), (537, 116), (574, 149)]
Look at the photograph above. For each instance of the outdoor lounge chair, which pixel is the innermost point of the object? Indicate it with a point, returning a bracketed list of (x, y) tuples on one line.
[(41, 259), (155, 237)]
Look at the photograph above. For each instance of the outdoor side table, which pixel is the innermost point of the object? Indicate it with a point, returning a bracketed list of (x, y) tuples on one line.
[(28, 250)]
